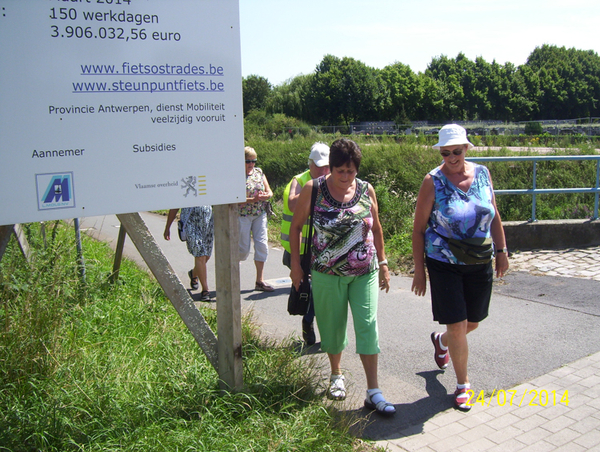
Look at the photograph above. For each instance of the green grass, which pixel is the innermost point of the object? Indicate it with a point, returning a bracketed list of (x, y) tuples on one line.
[(396, 168), (111, 367)]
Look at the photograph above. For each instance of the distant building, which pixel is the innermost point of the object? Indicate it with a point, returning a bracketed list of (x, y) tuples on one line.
[(374, 128)]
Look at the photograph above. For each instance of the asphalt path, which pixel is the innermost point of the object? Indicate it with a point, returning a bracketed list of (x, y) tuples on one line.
[(536, 324)]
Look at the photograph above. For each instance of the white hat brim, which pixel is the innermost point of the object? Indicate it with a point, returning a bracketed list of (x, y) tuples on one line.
[(453, 142)]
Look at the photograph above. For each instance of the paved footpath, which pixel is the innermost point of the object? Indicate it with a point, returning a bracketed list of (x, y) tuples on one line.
[(558, 411), (539, 347), (583, 263)]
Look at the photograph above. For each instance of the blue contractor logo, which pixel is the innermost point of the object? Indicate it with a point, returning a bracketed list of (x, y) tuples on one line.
[(55, 191)]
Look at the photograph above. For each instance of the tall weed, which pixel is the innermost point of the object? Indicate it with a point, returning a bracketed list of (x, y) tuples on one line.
[(112, 367), (21, 313)]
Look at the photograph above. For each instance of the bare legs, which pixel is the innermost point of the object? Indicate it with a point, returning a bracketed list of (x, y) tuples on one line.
[(259, 271), (369, 363), (199, 271), (335, 363), (455, 338)]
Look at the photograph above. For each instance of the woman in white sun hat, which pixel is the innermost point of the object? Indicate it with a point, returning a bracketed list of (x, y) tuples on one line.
[(457, 233)]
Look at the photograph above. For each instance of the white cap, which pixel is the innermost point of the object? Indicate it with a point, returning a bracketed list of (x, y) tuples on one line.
[(319, 154), (452, 135)]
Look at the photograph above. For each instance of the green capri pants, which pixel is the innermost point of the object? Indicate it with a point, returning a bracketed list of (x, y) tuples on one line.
[(331, 295)]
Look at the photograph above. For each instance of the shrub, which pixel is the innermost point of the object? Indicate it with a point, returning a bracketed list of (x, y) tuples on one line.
[(533, 128), (260, 124)]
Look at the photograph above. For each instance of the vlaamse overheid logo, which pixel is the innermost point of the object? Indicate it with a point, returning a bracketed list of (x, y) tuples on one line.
[(194, 185), (55, 190)]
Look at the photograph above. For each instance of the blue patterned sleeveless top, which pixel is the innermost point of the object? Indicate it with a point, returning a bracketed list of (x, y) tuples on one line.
[(457, 214), (343, 241)]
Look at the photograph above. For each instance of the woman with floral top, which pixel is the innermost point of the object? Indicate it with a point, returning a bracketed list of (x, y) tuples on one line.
[(348, 266), (253, 218)]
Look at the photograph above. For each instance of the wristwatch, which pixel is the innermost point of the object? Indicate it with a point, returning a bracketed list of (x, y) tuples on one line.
[(502, 250)]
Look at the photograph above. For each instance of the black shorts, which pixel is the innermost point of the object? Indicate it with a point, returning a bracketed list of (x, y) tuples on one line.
[(459, 292)]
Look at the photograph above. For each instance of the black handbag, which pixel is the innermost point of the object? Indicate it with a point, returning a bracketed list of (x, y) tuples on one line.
[(299, 300)]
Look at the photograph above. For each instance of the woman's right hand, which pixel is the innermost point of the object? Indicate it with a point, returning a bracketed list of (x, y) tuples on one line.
[(297, 275), (419, 284), (301, 214)]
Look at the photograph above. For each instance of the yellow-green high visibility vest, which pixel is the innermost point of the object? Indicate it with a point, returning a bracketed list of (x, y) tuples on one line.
[(286, 220)]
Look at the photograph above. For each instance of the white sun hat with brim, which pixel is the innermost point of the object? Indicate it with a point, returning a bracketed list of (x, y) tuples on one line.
[(452, 135)]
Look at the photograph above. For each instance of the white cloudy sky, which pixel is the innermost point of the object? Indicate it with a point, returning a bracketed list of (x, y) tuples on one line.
[(283, 38)]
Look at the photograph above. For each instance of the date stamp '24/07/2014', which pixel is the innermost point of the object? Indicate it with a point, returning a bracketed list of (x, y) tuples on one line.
[(531, 397)]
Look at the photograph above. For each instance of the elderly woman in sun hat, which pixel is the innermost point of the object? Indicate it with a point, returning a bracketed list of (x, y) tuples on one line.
[(457, 233)]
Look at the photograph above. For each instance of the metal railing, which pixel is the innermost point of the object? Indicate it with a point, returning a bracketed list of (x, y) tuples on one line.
[(535, 191)]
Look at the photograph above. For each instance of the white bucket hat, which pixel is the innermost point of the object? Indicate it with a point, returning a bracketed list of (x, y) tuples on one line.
[(452, 135), (319, 154)]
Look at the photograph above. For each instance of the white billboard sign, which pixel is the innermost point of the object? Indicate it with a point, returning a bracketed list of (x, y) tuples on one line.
[(116, 106)]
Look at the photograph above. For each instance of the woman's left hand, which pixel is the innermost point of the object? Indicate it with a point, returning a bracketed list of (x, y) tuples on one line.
[(501, 264), (384, 278)]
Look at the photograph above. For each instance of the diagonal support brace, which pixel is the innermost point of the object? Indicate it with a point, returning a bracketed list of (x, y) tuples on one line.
[(167, 278)]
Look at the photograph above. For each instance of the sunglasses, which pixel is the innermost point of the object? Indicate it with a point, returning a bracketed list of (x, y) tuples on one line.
[(454, 151), (251, 161)]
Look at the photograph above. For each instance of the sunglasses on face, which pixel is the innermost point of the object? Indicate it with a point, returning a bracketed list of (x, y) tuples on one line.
[(454, 151), (251, 161)]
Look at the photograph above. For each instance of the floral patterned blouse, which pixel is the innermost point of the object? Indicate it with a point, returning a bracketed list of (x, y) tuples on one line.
[(343, 242), (254, 184)]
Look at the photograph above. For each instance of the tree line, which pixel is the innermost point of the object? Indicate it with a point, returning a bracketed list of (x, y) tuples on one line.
[(554, 83)]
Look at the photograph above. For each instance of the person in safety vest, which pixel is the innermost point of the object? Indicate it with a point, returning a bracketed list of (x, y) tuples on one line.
[(318, 165)]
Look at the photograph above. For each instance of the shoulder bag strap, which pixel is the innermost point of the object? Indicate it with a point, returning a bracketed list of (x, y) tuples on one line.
[(307, 255)]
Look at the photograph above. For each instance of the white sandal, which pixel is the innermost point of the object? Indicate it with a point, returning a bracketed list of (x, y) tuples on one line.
[(376, 401), (337, 389)]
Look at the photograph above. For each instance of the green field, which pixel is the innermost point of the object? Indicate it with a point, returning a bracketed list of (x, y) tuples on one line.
[(396, 167)]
